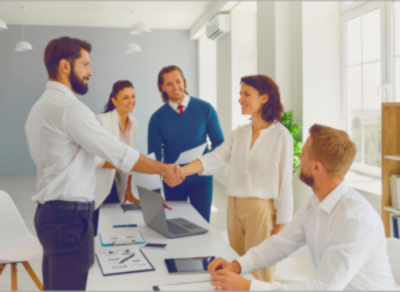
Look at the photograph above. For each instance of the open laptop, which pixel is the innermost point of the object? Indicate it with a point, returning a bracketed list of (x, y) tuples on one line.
[(154, 217)]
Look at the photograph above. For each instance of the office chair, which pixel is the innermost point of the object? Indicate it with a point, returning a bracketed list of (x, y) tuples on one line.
[(17, 244)]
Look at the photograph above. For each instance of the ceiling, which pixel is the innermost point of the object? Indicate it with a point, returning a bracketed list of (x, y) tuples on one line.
[(122, 14)]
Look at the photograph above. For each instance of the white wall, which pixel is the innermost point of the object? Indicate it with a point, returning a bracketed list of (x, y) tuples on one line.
[(244, 57), (321, 65), (207, 52), (23, 78)]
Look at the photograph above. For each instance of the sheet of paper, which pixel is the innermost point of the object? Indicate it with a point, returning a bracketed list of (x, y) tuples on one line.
[(196, 286), (191, 155), (123, 261), (147, 181), (120, 234)]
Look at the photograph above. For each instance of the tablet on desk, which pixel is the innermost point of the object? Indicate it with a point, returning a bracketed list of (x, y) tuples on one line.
[(188, 265)]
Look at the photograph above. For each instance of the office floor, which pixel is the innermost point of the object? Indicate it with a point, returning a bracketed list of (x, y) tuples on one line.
[(21, 189)]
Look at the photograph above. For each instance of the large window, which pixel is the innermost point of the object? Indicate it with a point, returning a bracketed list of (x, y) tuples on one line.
[(365, 44)]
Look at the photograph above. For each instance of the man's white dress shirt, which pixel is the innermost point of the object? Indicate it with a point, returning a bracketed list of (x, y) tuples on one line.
[(64, 137), (265, 171), (184, 103), (346, 240)]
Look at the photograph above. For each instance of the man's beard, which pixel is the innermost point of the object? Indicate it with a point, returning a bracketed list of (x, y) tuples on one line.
[(78, 85), (307, 179)]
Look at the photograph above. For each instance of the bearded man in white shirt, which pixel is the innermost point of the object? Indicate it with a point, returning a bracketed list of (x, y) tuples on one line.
[(343, 232), (64, 137)]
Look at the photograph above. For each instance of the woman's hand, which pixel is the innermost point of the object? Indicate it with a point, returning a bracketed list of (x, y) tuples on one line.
[(165, 204), (128, 193), (130, 197), (277, 228)]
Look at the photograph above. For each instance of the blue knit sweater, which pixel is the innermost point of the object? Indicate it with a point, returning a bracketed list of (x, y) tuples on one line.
[(170, 133)]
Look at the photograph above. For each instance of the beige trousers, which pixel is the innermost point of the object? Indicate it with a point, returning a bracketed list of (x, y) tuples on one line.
[(250, 221)]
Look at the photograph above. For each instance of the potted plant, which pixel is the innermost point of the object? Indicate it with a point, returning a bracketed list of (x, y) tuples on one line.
[(294, 129)]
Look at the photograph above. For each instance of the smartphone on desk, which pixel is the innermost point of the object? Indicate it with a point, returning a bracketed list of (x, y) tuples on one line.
[(155, 245), (188, 265)]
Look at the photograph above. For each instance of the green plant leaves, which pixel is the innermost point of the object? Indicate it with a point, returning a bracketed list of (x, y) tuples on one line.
[(294, 129)]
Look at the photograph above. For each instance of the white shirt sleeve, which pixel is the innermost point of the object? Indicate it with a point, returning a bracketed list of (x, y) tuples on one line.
[(277, 247), (351, 247), (83, 128), (284, 203), (220, 157)]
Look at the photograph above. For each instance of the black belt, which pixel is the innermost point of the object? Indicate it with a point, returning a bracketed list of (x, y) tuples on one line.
[(66, 205)]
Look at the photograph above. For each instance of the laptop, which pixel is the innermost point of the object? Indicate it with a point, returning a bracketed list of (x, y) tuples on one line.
[(154, 217)]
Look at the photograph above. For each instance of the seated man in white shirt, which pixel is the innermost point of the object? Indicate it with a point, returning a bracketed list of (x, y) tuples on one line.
[(343, 232)]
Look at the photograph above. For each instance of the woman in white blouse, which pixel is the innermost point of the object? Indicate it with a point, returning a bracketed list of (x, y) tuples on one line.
[(113, 186), (260, 159)]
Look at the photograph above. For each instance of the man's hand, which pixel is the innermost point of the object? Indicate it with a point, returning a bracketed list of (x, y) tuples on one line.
[(227, 280), (221, 264), (176, 178), (277, 228)]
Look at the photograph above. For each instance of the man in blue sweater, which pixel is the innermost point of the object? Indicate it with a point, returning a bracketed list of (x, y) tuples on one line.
[(181, 124)]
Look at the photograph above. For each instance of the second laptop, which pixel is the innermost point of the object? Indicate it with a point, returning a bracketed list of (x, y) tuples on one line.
[(154, 217)]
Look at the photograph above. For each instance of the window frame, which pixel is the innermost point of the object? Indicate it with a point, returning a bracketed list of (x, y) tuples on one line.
[(353, 11)]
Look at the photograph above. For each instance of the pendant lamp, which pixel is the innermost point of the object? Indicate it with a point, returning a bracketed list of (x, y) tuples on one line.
[(132, 48), (139, 28), (23, 45), (3, 25)]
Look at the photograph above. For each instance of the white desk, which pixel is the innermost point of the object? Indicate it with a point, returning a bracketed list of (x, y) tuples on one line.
[(208, 244)]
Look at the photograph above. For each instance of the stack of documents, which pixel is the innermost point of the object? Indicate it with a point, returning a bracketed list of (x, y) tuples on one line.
[(395, 190), (191, 155), (396, 226), (123, 261), (121, 236)]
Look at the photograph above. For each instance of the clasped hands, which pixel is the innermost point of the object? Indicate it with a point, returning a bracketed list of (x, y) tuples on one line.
[(174, 175), (224, 276)]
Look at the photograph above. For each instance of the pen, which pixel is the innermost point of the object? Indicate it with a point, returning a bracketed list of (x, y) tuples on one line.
[(125, 225), (127, 258)]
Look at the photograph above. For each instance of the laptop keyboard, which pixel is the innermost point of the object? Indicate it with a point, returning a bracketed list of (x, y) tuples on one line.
[(175, 229)]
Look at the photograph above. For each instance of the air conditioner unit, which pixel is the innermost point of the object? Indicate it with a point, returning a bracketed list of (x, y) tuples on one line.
[(218, 26)]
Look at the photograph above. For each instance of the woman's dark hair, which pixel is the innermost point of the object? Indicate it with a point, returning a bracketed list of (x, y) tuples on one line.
[(63, 48), (160, 80), (117, 87), (273, 108)]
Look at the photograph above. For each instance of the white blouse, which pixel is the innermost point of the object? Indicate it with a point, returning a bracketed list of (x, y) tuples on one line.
[(265, 171)]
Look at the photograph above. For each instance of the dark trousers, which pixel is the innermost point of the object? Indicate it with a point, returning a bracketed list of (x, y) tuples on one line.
[(65, 231), (112, 198), (198, 190)]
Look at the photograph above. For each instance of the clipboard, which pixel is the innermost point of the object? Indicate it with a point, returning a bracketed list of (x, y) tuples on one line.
[(123, 262), (121, 240)]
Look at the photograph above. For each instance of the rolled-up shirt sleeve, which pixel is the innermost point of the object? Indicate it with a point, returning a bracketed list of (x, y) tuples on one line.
[(83, 128), (219, 158), (98, 162), (284, 203), (338, 265)]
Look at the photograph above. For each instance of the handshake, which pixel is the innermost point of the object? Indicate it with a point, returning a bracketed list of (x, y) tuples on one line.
[(173, 175)]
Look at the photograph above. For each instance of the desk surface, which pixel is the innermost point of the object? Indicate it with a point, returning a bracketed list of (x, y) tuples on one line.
[(208, 244)]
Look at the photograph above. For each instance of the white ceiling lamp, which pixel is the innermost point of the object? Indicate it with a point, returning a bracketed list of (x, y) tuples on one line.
[(23, 45), (3, 25), (132, 48), (139, 28)]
